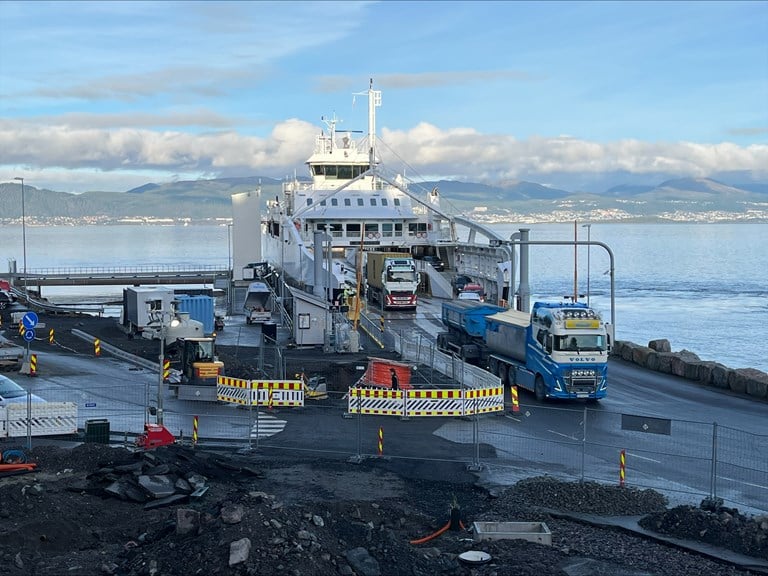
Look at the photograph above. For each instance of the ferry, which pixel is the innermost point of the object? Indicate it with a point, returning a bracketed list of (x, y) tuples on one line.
[(317, 231)]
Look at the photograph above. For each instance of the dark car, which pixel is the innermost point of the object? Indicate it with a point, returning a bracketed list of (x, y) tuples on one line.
[(6, 299), (460, 281), (435, 262)]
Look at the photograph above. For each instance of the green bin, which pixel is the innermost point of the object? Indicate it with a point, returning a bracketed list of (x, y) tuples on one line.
[(97, 431)]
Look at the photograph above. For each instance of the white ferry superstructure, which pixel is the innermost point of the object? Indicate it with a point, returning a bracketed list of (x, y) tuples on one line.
[(351, 205)]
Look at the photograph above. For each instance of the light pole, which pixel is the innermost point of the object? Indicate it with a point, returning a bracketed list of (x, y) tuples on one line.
[(23, 233), (589, 248)]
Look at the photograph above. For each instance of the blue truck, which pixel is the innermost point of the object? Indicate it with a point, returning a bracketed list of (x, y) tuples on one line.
[(560, 350)]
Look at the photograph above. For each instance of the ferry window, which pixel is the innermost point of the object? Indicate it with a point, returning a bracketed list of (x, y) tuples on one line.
[(371, 228), (386, 229), (384, 202), (347, 201), (322, 202), (360, 202), (411, 228), (309, 201), (345, 172), (396, 201), (398, 229), (330, 171), (318, 170), (373, 201), (336, 230), (334, 201), (353, 230)]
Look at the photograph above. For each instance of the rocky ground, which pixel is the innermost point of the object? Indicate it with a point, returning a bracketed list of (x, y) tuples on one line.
[(94, 509)]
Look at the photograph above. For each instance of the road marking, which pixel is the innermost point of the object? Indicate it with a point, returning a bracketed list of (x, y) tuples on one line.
[(563, 435), (742, 482), (512, 418), (643, 458), (267, 426)]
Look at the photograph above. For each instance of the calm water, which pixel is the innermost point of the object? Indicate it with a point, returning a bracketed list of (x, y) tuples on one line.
[(702, 286)]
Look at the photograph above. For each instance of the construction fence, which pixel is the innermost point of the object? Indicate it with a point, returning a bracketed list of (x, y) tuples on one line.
[(692, 460)]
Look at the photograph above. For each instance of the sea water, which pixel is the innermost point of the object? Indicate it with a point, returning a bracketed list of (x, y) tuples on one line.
[(704, 287)]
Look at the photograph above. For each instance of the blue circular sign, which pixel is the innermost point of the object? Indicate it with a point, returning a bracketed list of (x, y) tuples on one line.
[(29, 335), (29, 320)]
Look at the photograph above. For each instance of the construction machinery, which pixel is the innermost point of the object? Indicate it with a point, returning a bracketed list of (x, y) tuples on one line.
[(199, 369)]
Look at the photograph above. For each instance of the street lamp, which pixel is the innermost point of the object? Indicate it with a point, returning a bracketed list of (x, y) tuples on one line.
[(589, 248), (23, 233)]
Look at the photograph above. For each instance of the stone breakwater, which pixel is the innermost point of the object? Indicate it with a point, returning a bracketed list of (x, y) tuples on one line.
[(658, 356)]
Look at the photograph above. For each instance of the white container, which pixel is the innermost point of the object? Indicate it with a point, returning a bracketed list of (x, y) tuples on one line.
[(530, 531)]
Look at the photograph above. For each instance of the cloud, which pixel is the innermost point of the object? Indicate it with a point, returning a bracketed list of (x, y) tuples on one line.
[(83, 144)]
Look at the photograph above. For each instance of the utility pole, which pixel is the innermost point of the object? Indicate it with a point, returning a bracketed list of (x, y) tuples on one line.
[(589, 249)]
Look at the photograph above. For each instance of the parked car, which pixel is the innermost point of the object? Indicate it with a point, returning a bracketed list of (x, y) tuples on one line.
[(435, 262), (12, 393), (6, 299)]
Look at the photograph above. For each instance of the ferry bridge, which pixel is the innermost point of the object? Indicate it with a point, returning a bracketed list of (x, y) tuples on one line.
[(156, 274), (28, 287)]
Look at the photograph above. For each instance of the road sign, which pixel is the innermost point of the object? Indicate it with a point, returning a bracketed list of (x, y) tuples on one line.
[(29, 320), (29, 335)]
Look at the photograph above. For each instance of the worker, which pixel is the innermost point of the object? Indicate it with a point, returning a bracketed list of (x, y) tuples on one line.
[(394, 379)]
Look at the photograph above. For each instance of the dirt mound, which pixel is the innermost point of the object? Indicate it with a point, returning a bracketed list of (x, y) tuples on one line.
[(266, 515)]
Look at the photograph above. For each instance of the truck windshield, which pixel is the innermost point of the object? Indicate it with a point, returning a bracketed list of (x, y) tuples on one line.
[(581, 343), (398, 276)]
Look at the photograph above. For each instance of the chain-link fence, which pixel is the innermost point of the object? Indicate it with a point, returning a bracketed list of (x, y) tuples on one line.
[(698, 459)]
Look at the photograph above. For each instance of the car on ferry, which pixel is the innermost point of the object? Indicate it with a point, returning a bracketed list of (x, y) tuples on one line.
[(435, 262)]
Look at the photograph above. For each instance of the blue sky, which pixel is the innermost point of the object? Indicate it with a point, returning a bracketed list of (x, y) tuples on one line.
[(112, 95)]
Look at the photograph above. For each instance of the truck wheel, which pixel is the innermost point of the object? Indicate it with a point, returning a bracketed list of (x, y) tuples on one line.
[(539, 389)]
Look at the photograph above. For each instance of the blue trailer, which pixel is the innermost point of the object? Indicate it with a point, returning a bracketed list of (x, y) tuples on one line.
[(560, 350)]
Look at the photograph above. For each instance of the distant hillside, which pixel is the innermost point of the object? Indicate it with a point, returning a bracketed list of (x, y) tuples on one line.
[(211, 199)]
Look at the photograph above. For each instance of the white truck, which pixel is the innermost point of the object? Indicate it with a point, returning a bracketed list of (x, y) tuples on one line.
[(391, 280), (257, 303)]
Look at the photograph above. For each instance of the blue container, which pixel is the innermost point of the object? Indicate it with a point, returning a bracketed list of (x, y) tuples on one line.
[(200, 308)]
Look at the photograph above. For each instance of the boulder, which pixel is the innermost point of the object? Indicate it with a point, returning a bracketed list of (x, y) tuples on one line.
[(660, 345), (742, 380), (680, 360)]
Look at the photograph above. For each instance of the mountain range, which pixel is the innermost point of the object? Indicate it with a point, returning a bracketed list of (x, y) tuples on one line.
[(204, 200)]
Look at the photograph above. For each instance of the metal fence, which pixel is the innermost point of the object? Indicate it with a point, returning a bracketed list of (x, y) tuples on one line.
[(677, 457)]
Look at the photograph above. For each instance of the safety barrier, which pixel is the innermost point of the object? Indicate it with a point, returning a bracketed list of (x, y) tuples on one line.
[(417, 403), (270, 393), (45, 419)]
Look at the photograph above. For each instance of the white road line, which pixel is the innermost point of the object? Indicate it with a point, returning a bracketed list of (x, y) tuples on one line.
[(563, 435), (643, 458), (742, 482)]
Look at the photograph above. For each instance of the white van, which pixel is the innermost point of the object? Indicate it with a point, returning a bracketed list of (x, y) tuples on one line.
[(470, 296)]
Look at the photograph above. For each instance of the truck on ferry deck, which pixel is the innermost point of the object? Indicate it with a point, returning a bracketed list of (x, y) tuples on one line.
[(560, 350), (257, 303), (391, 280)]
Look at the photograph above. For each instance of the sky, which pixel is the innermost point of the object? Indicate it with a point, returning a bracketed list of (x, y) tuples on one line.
[(113, 95)]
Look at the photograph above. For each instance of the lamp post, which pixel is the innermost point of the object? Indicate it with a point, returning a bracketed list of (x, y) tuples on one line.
[(589, 248), (23, 233)]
